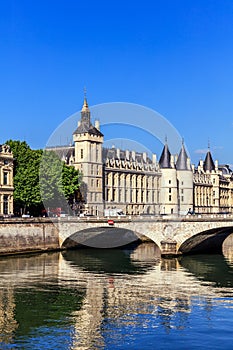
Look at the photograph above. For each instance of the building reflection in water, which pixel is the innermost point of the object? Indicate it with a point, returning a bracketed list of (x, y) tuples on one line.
[(96, 289), (8, 323)]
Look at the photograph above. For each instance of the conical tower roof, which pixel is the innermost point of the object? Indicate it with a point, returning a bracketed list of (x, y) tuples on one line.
[(181, 163), (209, 163), (85, 107), (85, 125), (165, 159)]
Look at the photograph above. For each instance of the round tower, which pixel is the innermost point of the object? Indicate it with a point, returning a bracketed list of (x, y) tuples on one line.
[(184, 183), (168, 185)]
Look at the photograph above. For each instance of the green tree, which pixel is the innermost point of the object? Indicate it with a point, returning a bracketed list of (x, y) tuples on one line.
[(41, 179), (71, 179), (59, 183), (26, 177), (51, 179)]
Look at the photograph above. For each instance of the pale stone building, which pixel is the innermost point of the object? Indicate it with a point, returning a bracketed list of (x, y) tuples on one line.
[(131, 181), (6, 180), (128, 180), (213, 187)]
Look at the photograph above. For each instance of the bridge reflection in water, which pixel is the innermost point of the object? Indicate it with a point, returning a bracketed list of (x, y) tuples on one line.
[(89, 290)]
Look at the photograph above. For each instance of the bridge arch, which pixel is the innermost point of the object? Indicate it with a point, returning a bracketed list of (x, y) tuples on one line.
[(173, 237), (100, 237), (208, 241)]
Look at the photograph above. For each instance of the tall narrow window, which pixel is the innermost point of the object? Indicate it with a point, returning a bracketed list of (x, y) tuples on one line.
[(5, 204), (170, 198), (81, 153), (5, 178), (97, 154)]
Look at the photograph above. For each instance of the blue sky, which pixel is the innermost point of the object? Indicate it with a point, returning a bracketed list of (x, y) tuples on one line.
[(172, 56)]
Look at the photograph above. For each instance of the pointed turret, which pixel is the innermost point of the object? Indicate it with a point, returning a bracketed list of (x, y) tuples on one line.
[(181, 163), (85, 113), (209, 163), (165, 159), (85, 125)]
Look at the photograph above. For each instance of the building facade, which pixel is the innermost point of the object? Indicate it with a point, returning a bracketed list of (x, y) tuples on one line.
[(213, 187), (131, 181), (6, 181)]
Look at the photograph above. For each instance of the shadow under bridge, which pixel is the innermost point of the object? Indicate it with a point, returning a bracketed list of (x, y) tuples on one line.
[(209, 241), (100, 237)]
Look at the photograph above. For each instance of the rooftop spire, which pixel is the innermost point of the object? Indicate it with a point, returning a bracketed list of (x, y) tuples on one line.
[(181, 163), (85, 125), (85, 107), (209, 163), (165, 159)]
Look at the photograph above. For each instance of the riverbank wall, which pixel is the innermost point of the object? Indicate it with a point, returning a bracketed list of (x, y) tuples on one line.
[(18, 236)]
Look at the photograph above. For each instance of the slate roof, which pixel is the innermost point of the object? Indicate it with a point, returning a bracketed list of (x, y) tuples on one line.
[(112, 153), (84, 128), (181, 163), (63, 152), (209, 163), (165, 159)]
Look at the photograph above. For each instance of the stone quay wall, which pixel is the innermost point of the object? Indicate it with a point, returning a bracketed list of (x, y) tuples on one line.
[(27, 236)]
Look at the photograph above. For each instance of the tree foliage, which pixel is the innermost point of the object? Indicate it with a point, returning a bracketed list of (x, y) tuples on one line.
[(71, 179), (41, 178), (26, 176), (51, 179)]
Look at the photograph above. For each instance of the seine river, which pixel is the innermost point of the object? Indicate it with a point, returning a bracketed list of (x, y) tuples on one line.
[(116, 299)]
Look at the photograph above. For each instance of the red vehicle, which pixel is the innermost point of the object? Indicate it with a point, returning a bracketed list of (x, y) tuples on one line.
[(52, 212)]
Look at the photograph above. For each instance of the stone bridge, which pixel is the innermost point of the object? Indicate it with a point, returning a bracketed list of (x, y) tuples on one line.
[(174, 236)]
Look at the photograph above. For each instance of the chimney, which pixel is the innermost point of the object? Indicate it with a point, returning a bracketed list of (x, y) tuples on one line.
[(144, 156), (133, 155), (97, 124), (154, 158), (172, 161)]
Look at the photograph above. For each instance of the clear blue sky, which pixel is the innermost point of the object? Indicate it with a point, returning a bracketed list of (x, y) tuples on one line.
[(173, 56)]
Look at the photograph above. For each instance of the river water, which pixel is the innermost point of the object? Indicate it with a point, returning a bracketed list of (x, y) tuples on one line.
[(116, 299)]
